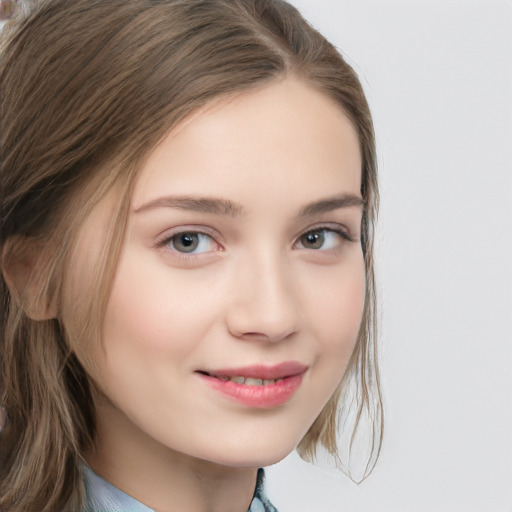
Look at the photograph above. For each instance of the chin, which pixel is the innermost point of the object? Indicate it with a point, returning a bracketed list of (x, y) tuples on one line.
[(255, 455)]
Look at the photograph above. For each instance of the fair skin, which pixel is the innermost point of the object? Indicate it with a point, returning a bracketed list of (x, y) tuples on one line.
[(271, 274)]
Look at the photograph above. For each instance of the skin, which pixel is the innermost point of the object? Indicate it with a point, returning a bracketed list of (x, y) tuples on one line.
[(255, 291)]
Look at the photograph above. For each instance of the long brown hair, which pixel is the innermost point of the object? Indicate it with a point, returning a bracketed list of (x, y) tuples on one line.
[(89, 87)]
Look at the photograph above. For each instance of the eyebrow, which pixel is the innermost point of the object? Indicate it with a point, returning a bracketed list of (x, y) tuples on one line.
[(330, 204), (213, 205), (218, 206)]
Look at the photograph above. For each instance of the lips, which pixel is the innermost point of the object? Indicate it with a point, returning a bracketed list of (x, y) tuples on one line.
[(248, 381), (259, 372), (257, 386)]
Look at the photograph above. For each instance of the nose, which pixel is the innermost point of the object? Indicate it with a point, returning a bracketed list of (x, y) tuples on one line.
[(263, 304)]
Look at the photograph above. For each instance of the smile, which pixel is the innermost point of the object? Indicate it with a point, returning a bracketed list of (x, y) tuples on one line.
[(248, 381), (259, 387)]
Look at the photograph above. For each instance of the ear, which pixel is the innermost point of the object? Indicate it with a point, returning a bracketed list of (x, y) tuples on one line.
[(23, 265)]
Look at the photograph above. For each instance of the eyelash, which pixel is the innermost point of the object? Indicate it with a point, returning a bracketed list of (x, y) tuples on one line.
[(318, 229)]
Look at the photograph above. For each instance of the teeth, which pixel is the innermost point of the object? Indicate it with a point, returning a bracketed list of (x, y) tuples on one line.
[(253, 382), (249, 381)]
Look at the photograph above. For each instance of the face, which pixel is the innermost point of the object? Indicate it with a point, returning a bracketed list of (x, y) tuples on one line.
[(240, 287)]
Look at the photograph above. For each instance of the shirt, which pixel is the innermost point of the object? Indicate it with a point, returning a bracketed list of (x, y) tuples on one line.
[(104, 497)]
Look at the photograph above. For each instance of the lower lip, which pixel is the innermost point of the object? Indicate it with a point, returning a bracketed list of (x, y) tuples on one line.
[(258, 397)]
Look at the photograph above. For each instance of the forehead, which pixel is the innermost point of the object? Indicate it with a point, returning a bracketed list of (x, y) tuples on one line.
[(285, 133)]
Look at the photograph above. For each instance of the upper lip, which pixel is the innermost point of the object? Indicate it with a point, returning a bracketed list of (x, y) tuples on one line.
[(260, 371)]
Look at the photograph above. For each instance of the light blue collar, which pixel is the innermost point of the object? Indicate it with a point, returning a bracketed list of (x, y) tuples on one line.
[(104, 497)]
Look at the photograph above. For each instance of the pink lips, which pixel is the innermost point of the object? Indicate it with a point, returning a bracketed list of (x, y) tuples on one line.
[(288, 377)]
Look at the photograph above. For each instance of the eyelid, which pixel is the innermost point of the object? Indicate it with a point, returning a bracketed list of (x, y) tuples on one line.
[(339, 229), (163, 240), (166, 238)]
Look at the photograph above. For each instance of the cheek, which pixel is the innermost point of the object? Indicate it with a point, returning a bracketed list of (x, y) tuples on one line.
[(338, 305), (154, 312), (336, 314), (148, 336)]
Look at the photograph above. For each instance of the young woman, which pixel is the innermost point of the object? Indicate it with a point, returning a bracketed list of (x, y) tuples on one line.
[(189, 193)]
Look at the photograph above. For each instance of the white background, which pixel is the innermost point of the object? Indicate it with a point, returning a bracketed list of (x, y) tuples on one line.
[(438, 75)]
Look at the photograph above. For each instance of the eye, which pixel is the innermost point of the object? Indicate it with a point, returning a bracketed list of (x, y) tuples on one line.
[(190, 242), (322, 239)]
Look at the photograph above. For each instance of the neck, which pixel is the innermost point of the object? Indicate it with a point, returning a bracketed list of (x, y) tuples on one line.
[(164, 479)]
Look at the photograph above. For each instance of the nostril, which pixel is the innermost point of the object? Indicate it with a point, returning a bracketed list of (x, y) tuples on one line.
[(266, 311)]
